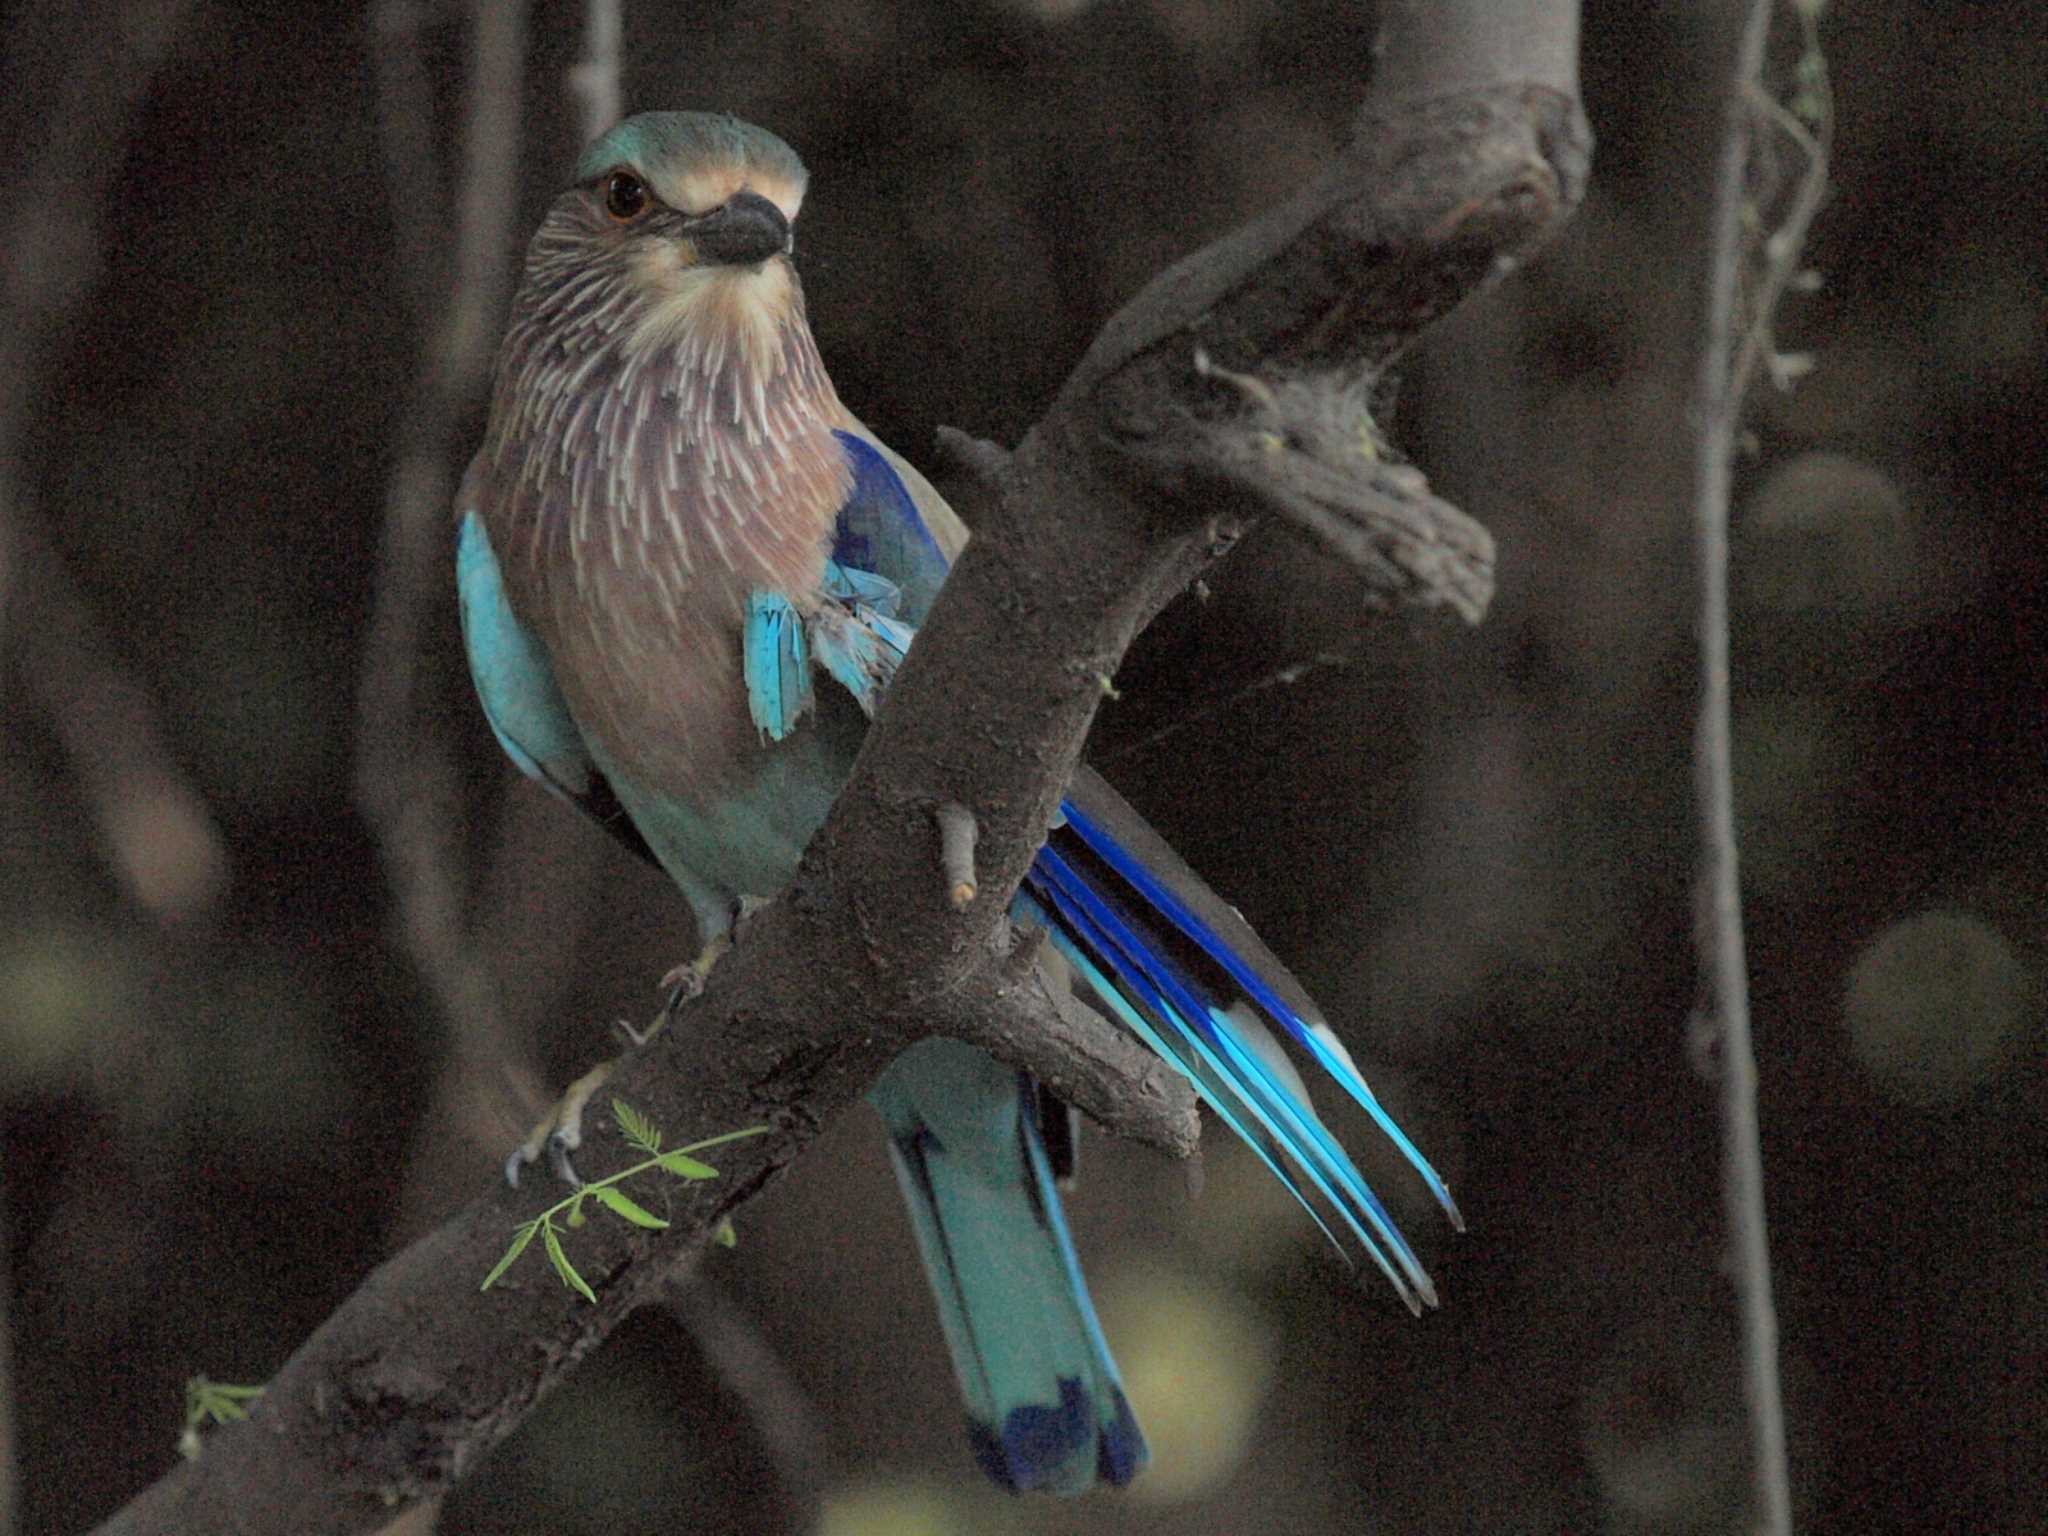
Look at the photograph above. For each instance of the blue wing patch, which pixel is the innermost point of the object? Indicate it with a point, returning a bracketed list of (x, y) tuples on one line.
[(516, 685), (881, 530), (857, 638), (513, 679), (777, 664)]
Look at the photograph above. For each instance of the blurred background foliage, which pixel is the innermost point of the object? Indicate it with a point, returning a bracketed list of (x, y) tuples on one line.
[(225, 1091)]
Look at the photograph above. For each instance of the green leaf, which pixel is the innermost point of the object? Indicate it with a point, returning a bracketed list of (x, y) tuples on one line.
[(638, 1129), (563, 1267), (214, 1402), (684, 1166), (619, 1203), (724, 1235), (519, 1241)]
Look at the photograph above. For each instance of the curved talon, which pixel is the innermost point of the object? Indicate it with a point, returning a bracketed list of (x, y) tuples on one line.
[(559, 1146), (560, 1131), (688, 979)]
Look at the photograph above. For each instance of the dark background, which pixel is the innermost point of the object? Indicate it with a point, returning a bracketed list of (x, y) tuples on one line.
[(225, 1091)]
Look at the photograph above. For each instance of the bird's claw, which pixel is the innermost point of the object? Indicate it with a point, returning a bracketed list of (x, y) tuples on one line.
[(558, 1149), (559, 1132), (688, 980), (639, 1037)]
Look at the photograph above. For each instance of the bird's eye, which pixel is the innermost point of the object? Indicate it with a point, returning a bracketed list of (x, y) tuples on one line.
[(625, 196)]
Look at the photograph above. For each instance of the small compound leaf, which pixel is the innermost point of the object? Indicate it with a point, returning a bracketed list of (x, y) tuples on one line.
[(619, 1203), (638, 1129), (684, 1166), (564, 1268), (519, 1241), (724, 1235)]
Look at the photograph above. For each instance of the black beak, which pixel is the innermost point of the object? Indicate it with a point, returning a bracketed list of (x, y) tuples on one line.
[(744, 233)]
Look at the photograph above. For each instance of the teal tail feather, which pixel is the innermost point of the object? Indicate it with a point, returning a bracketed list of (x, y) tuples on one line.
[(1046, 1410)]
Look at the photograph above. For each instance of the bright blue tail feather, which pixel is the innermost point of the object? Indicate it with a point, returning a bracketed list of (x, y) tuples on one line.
[(1235, 1079), (1259, 991), (1172, 1047)]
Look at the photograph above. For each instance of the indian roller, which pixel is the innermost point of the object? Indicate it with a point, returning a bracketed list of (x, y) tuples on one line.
[(686, 573)]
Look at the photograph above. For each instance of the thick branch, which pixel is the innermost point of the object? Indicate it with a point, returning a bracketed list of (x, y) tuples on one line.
[(1109, 507)]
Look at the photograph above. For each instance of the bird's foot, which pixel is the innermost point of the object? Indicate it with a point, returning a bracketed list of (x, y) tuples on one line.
[(688, 979), (560, 1131)]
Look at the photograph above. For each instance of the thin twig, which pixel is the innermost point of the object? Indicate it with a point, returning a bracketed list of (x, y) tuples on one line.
[(1720, 935), (405, 771), (1214, 709), (1785, 244), (957, 834), (594, 78), (160, 838)]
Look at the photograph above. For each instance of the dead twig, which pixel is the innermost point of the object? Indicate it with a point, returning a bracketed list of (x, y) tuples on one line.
[(405, 771), (159, 836), (1716, 412)]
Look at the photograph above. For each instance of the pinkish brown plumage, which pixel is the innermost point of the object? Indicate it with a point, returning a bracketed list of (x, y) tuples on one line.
[(660, 446)]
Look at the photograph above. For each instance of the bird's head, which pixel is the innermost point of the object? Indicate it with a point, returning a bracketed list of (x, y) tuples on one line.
[(677, 227)]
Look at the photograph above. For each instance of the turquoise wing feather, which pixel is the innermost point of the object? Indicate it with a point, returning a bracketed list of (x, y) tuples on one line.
[(516, 685)]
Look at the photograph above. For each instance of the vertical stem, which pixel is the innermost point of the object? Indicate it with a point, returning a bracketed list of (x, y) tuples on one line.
[(594, 81), (405, 772), (1720, 933)]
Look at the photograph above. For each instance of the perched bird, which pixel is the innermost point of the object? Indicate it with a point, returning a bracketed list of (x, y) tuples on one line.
[(686, 572)]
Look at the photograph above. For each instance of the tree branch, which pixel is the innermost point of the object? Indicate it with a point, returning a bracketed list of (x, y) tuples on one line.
[(157, 831), (1126, 489), (1716, 412), (405, 774)]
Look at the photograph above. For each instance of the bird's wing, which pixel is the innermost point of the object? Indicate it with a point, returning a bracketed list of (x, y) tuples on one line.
[(1159, 949), (516, 685), (894, 524)]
